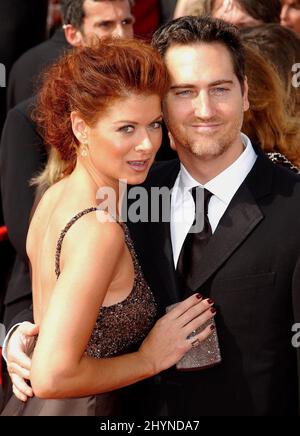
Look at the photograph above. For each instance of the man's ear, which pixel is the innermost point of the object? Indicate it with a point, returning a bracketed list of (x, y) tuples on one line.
[(246, 95), (172, 142), (73, 35)]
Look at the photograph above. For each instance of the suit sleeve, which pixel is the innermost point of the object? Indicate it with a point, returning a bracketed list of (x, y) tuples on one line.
[(25, 315), (22, 156)]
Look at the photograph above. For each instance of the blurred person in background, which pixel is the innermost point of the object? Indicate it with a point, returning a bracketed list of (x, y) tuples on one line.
[(268, 122), (290, 14), (242, 13), (281, 47), (82, 19)]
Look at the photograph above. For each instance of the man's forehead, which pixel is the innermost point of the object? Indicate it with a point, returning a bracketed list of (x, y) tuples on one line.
[(190, 53), (213, 59), (105, 7)]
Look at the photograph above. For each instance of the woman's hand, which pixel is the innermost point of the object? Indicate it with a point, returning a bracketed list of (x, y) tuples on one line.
[(168, 340)]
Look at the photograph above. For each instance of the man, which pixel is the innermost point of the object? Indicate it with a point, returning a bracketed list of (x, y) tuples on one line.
[(249, 258), (83, 19)]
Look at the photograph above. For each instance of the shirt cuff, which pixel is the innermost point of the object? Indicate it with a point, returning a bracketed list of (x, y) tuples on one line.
[(6, 340)]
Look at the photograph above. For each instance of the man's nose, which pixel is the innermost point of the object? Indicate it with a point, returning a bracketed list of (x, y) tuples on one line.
[(119, 31), (203, 106)]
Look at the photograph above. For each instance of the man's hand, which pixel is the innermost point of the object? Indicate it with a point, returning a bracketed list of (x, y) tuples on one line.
[(19, 348)]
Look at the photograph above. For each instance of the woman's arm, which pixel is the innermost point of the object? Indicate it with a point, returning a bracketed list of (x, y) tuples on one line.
[(59, 367)]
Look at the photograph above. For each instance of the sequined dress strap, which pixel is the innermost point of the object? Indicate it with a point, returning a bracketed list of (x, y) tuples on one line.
[(63, 234)]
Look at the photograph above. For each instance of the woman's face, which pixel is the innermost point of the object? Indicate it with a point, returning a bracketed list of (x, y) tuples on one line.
[(124, 141), (231, 11), (290, 14)]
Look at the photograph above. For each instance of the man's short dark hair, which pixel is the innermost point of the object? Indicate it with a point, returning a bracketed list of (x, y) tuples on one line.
[(73, 11), (192, 30)]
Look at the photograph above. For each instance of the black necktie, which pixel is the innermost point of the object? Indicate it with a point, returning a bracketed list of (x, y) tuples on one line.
[(192, 249)]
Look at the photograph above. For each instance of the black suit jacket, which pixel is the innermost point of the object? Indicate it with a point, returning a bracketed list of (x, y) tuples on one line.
[(24, 76), (22, 26), (22, 155), (251, 268)]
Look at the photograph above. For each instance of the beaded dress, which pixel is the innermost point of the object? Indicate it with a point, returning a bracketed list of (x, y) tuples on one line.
[(119, 329)]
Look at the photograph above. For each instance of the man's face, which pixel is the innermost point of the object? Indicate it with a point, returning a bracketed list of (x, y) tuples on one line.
[(231, 11), (205, 105), (107, 18)]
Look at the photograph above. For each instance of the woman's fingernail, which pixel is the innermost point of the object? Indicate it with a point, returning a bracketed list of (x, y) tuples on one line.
[(210, 301), (213, 310), (212, 327), (199, 296)]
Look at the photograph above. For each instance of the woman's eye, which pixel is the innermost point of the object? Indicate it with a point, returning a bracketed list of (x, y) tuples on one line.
[(126, 129), (156, 125)]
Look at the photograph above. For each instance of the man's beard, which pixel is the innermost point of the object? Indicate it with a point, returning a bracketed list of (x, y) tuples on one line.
[(208, 146), (207, 150)]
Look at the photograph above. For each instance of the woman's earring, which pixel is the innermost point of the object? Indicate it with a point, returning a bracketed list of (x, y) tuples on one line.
[(83, 151), (84, 147)]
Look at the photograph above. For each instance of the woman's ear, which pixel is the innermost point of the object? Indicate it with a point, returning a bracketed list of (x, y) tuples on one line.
[(79, 127)]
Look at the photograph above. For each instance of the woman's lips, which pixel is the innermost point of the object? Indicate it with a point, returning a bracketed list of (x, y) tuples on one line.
[(139, 165)]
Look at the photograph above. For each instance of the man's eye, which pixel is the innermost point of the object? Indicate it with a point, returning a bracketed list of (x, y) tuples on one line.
[(184, 93), (219, 91), (126, 129), (105, 25), (128, 22)]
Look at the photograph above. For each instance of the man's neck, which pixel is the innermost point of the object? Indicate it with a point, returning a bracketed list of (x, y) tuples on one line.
[(206, 169)]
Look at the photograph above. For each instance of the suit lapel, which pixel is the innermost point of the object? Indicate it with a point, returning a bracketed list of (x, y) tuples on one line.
[(240, 219)]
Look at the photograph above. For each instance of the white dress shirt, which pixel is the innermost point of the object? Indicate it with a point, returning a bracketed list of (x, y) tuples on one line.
[(223, 187)]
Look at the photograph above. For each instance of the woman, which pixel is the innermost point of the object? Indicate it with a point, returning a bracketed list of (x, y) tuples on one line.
[(290, 14), (281, 47), (268, 122), (242, 13), (100, 110)]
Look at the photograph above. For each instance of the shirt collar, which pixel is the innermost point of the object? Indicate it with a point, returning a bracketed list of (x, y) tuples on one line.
[(225, 184)]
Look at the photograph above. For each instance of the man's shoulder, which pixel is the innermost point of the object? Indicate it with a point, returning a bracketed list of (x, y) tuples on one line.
[(22, 110), (266, 170), (163, 171), (283, 175), (284, 184), (41, 54)]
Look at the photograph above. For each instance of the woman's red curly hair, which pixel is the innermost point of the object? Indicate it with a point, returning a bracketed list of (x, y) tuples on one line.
[(87, 80)]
